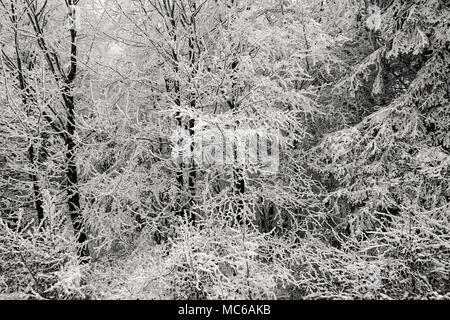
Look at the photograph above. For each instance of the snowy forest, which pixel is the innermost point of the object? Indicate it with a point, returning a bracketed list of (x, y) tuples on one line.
[(224, 149)]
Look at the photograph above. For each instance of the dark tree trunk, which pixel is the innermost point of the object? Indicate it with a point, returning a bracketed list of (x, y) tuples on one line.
[(238, 173), (36, 189), (25, 95), (73, 201)]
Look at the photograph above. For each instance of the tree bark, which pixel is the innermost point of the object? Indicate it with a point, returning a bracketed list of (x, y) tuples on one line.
[(24, 93), (73, 201)]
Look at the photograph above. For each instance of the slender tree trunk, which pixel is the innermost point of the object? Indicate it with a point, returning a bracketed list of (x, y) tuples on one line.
[(174, 86), (73, 201), (24, 93), (238, 173), (192, 175), (36, 189)]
